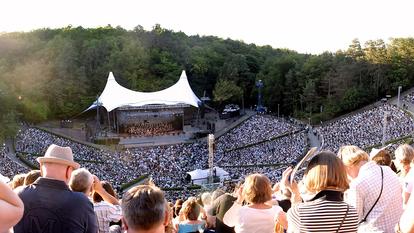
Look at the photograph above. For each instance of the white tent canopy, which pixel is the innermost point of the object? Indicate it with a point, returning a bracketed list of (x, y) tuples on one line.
[(198, 176), (115, 95)]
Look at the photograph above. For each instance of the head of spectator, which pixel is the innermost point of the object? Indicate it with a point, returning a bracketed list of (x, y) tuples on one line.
[(81, 181), (382, 157), (177, 206), (57, 163), (404, 156), (144, 210), (32, 177), (206, 199), (217, 193), (191, 209), (169, 228), (108, 188), (354, 158), (18, 180), (257, 189), (325, 171)]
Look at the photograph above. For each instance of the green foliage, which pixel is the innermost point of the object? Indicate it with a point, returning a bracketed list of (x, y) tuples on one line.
[(59, 72), (226, 90), (134, 182)]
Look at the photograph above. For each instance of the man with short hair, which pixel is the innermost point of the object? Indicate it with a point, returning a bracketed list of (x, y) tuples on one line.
[(50, 206), (107, 210), (144, 210), (81, 181)]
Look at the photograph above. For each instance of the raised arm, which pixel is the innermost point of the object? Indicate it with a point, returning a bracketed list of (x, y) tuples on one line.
[(11, 208)]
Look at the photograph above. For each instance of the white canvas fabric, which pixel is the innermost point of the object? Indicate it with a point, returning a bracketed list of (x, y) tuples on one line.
[(115, 95)]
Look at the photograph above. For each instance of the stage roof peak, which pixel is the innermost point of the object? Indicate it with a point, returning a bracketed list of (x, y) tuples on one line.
[(114, 95)]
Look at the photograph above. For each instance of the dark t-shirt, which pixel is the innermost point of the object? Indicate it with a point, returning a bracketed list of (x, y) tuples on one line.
[(50, 207), (219, 207)]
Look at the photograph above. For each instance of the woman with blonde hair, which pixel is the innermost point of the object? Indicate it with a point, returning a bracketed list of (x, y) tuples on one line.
[(189, 217), (257, 216), (324, 210)]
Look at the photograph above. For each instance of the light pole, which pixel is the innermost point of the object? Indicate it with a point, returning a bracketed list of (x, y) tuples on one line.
[(384, 127), (210, 141), (399, 93)]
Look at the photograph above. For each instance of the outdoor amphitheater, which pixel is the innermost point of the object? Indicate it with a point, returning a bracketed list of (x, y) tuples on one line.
[(206, 117)]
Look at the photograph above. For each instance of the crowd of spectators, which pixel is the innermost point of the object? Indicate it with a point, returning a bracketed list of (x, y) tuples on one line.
[(281, 150), (255, 129), (8, 167), (253, 208), (150, 129), (409, 98), (167, 165), (365, 128)]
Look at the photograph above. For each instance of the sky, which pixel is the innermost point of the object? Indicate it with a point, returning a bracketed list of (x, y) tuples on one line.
[(307, 26)]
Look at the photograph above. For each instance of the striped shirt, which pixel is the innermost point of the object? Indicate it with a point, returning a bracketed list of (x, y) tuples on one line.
[(106, 213), (324, 213)]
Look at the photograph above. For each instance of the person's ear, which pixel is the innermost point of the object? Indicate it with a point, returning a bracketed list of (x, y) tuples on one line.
[(166, 218), (124, 224), (69, 171), (41, 169)]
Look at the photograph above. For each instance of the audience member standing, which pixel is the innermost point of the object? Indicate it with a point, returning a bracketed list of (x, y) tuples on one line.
[(190, 213), (219, 207), (374, 190), (257, 216), (325, 182), (144, 210), (106, 206), (404, 156), (50, 206)]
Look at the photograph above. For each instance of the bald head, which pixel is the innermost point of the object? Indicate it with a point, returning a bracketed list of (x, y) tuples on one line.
[(56, 171)]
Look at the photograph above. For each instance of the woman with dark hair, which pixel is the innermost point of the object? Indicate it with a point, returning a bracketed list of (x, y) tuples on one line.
[(257, 216), (325, 181), (106, 206)]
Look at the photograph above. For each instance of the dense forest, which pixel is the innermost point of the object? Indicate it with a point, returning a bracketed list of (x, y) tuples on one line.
[(57, 73)]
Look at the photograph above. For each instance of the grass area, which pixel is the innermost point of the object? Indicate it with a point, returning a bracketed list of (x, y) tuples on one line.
[(134, 182), (406, 139), (194, 187)]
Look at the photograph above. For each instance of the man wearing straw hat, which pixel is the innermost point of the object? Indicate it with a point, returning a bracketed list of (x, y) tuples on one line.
[(50, 206)]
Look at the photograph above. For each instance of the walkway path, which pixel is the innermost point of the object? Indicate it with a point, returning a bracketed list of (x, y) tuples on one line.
[(12, 154), (235, 123), (313, 139)]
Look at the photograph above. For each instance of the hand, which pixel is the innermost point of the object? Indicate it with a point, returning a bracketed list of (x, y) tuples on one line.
[(97, 186), (240, 195), (276, 188), (286, 183)]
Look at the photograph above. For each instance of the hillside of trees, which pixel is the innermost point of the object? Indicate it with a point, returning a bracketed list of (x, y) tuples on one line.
[(57, 73)]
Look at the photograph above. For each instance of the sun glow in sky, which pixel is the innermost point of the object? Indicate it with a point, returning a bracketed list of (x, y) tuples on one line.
[(307, 26)]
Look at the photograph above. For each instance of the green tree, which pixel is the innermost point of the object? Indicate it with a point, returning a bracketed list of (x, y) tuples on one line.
[(226, 91)]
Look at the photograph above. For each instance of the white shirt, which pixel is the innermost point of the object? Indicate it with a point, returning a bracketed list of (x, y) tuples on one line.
[(106, 213), (364, 191), (249, 220)]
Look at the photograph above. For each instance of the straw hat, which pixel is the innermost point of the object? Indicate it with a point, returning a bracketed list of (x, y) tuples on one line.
[(58, 154)]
